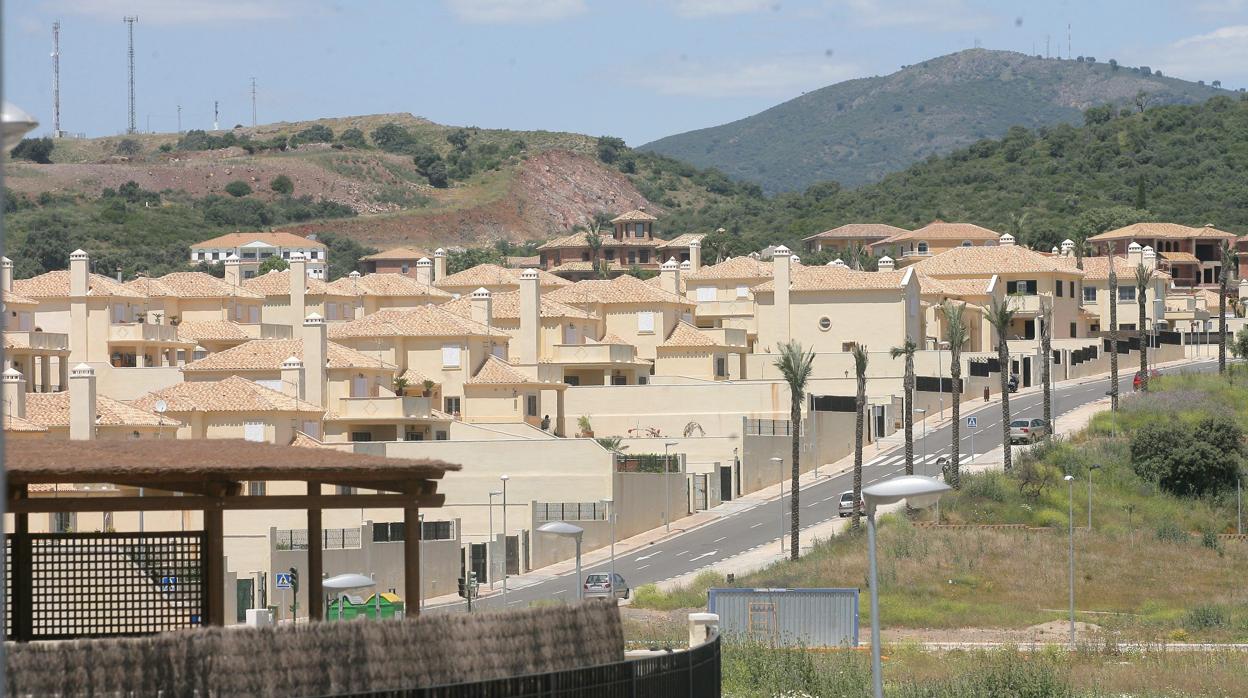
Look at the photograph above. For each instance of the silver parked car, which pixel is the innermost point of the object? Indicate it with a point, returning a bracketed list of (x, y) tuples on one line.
[(1027, 431), (599, 584), (846, 505)]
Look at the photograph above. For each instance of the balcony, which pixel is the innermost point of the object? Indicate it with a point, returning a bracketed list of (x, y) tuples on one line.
[(45, 341), (390, 407), (143, 332), (726, 336), (266, 330), (718, 308), (594, 354), (1025, 305)]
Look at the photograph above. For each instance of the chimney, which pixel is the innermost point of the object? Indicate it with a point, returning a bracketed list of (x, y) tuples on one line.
[(1135, 254), (1149, 255), (669, 276), (292, 377), (1055, 252), (838, 262), (14, 393), (298, 288), (886, 263), (232, 276), (1068, 247), (480, 301), (530, 349), (1243, 288), (79, 273), (1006, 240), (439, 264), (79, 284), (781, 277), (695, 256), (6, 275), (424, 271), (315, 351), (82, 403)]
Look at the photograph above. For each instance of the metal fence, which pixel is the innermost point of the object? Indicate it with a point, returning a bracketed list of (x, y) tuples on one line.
[(331, 538), (695, 673), (788, 617), (395, 532), (569, 511), (768, 427)]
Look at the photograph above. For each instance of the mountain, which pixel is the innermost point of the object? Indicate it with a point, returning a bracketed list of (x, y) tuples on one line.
[(857, 131)]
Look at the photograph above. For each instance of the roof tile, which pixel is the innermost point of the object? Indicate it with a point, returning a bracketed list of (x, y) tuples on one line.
[(269, 354)]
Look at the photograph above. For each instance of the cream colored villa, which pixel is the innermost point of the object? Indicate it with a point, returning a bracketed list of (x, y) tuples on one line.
[(910, 246), (252, 249)]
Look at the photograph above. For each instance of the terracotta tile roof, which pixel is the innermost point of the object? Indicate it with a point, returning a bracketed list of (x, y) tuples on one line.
[(415, 378), (940, 230), (188, 284), (52, 410), (277, 283), (55, 284), (532, 261), (1163, 230), (12, 298), (579, 266), (686, 335), (397, 254), (1180, 257), (12, 423), (268, 355), (680, 241), (1097, 268), (302, 440), (622, 289), (657, 282), (395, 285), (834, 278), (505, 305), (858, 231), (953, 287), (274, 239), (1208, 231), (496, 371), (637, 215), (425, 321), (745, 268), (233, 394), (211, 330), (986, 261), (611, 338), (578, 240), (494, 275)]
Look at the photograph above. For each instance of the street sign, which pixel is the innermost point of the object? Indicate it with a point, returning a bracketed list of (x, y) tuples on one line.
[(972, 423), (283, 580)]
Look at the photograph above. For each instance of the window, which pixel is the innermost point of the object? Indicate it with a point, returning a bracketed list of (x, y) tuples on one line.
[(923, 247), (361, 436), (645, 322), (64, 522), (1059, 289), (1127, 327), (1024, 287), (706, 294), (530, 405), (119, 313), (743, 291), (1089, 294), (406, 267), (450, 356), (632, 257), (1072, 289), (640, 230), (312, 429), (1126, 294), (644, 256), (825, 323), (440, 435), (572, 380), (966, 243), (285, 254), (451, 404), (721, 367), (345, 489), (1073, 330), (414, 436), (610, 255), (359, 386), (255, 488), (848, 346), (316, 254)]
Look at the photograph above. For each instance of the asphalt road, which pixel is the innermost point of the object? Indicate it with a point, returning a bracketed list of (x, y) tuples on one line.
[(742, 531)]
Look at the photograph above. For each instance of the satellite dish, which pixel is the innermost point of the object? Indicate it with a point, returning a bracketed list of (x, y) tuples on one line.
[(161, 407)]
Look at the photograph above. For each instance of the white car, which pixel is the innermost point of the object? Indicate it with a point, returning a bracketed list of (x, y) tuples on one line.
[(846, 506)]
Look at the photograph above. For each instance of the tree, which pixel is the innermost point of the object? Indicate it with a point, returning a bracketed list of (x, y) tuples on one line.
[(907, 350), (1141, 194), (437, 175), (795, 366), (609, 148), (593, 239), (316, 133), (860, 402), (1143, 277), (1000, 314), (1113, 329), (1046, 361), (458, 139), (34, 149), (956, 334), (1113, 64), (238, 188), (1229, 261), (393, 138), (273, 263), (282, 185), (1240, 347), (1189, 461), (353, 138), (344, 254), (129, 147)]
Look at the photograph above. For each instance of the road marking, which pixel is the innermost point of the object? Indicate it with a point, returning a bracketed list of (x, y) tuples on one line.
[(642, 567), (559, 591), (647, 557), (695, 559), (760, 524), (682, 552), (719, 539)]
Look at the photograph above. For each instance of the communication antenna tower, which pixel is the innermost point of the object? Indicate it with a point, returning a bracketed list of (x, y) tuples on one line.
[(130, 29), (253, 102), (216, 112), (56, 79)]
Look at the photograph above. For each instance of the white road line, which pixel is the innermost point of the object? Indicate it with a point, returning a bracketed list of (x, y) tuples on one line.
[(560, 591), (642, 567), (756, 525), (682, 552), (719, 539)]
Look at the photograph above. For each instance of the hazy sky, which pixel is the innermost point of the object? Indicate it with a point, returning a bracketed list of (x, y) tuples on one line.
[(639, 69)]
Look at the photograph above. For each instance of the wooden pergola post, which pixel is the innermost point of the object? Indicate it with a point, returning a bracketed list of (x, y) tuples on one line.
[(411, 560), (316, 557), (20, 569), (214, 565)]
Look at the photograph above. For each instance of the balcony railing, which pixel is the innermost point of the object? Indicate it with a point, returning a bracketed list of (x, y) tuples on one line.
[(715, 308), (142, 332), (594, 353), (52, 341), (387, 407)]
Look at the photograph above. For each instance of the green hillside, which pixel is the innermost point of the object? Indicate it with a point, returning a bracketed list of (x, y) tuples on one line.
[(857, 131)]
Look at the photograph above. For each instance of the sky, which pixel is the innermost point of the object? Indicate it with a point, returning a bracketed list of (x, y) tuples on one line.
[(637, 69)]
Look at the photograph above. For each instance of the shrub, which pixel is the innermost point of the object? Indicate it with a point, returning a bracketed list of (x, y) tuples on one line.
[(282, 185), (1188, 461), (353, 138), (1205, 617), (316, 133), (238, 188), (128, 146), (987, 485), (34, 149), (1169, 532), (272, 264), (1209, 539)]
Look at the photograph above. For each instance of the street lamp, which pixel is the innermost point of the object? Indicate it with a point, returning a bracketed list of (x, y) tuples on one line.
[(563, 528), (1095, 466), (611, 513), (489, 546), (504, 479), (780, 468), (919, 492), (1070, 480), (667, 488), (923, 412), (17, 123)]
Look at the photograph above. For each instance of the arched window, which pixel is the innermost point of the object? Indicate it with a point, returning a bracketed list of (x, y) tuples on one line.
[(923, 247), (966, 243)]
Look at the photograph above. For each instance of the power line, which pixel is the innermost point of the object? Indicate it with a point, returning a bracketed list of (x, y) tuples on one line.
[(130, 128), (56, 79)]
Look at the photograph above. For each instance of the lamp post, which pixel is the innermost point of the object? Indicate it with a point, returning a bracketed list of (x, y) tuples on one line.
[(504, 479), (489, 546), (923, 412), (780, 467), (1070, 480), (1095, 466), (567, 530), (420, 564), (667, 488), (919, 491), (611, 513), (1239, 505)]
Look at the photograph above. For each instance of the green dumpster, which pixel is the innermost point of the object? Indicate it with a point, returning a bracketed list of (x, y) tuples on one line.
[(348, 607)]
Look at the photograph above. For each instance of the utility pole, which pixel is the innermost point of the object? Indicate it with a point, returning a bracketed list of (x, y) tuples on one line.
[(130, 127), (1068, 49), (56, 79), (216, 112), (253, 102), (179, 118), (1046, 46)]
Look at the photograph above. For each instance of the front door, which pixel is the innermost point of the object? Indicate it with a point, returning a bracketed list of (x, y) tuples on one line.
[(243, 598), (1026, 371), (725, 482)]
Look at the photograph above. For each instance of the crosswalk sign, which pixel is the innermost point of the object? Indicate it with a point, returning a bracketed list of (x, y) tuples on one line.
[(972, 423), (283, 580)]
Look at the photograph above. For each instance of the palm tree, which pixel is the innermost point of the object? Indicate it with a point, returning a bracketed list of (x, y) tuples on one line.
[(860, 403), (1046, 361), (593, 239), (1000, 314), (1229, 260), (956, 335), (796, 367), (1017, 221), (1143, 277), (907, 349), (1113, 330)]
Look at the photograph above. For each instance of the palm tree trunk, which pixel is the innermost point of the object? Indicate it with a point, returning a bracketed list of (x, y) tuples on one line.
[(795, 419), (859, 404), (955, 373), (1003, 357), (1222, 321), (1140, 301), (1046, 373), (1113, 334), (908, 419)]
